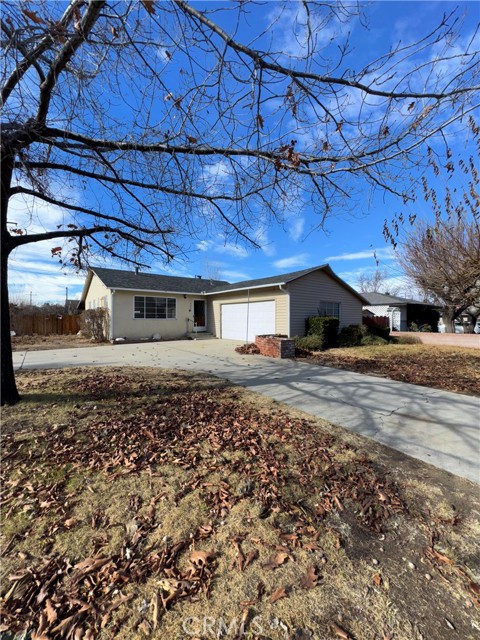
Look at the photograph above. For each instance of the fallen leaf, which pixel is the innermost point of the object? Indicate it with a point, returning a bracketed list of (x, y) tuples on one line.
[(277, 560), (201, 558), (251, 556), (310, 579), (340, 633), (69, 523), (377, 579), (278, 594), (50, 611)]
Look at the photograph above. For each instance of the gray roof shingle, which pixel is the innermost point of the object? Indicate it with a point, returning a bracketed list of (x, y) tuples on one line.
[(117, 279), (384, 298)]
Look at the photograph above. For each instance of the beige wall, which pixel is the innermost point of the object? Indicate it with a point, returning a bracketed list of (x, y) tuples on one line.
[(307, 292), (98, 295), (126, 326), (256, 295)]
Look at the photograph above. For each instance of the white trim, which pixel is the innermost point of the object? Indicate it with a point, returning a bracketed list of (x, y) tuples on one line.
[(287, 293), (260, 286), (112, 303)]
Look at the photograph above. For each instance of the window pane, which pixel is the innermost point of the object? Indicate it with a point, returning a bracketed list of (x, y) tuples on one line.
[(171, 308), (139, 307), (150, 307), (161, 307), (330, 309)]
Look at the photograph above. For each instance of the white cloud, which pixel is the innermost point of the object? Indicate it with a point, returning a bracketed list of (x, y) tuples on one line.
[(228, 248), (261, 238), (299, 260), (291, 28), (381, 254), (297, 228), (232, 250), (235, 275), (32, 270)]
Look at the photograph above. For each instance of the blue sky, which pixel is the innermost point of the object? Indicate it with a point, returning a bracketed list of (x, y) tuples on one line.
[(352, 241)]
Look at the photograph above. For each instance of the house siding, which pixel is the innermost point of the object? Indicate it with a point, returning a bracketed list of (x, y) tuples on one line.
[(126, 326), (98, 295), (308, 291), (256, 295)]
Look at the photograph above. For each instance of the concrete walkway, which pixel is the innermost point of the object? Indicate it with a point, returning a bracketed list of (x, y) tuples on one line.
[(435, 426)]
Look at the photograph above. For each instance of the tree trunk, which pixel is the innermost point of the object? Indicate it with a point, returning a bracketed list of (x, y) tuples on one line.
[(448, 316), (10, 394)]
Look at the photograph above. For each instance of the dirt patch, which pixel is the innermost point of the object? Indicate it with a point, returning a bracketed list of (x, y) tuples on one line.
[(39, 343), (448, 368), (146, 503)]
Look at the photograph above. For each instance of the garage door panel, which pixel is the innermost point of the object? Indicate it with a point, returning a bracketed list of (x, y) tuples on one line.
[(258, 316)]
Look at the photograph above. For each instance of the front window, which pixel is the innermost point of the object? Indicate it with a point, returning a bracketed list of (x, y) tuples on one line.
[(150, 307), (329, 309)]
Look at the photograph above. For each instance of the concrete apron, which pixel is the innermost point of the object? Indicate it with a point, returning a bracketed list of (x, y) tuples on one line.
[(438, 427)]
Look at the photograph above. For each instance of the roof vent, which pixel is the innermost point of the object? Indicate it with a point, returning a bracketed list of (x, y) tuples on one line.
[(136, 271), (198, 277)]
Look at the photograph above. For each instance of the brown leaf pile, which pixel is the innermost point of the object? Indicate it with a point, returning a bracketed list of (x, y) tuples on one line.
[(248, 349), (422, 364), (193, 430)]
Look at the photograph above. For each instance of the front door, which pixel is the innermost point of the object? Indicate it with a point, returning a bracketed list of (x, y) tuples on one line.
[(199, 315)]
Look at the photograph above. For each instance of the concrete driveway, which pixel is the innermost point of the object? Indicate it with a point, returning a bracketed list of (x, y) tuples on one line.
[(435, 426)]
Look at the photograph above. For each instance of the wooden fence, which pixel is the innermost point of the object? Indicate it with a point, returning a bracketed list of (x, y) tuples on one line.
[(45, 325)]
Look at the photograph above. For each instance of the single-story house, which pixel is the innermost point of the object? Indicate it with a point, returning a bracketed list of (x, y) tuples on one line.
[(142, 305), (401, 312)]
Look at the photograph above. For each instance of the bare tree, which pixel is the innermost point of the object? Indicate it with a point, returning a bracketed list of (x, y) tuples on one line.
[(150, 122), (376, 282), (442, 257)]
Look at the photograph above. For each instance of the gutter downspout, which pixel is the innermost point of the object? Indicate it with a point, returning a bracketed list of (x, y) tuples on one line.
[(280, 286), (112, 302)]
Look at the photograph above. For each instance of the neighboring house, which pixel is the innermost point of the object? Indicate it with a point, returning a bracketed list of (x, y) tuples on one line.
[(143, 304), (71, 306), (401, 312)]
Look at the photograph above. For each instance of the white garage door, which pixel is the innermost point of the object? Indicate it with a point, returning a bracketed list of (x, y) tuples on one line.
[(258, 316)]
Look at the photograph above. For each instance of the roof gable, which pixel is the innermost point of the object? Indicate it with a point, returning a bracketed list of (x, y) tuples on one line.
[(282, 279)]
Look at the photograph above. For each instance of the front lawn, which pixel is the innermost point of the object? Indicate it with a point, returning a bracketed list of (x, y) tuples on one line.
[(140, 503), (449, 368)]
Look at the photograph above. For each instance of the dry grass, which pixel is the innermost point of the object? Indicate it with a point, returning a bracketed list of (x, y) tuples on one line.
[(65, 499), (449, 368)]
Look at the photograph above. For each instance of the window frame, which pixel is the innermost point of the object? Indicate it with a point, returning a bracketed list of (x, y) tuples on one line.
[(166, 301), (329, 315)]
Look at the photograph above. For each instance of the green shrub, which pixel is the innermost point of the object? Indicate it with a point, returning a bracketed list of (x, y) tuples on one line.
[(325, 328), (309, 343), (352, 335), (369, 340)]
